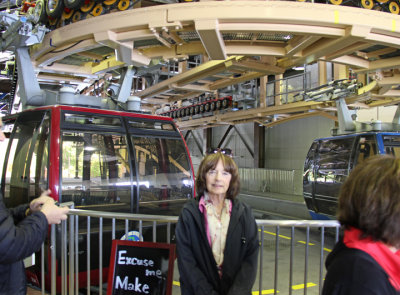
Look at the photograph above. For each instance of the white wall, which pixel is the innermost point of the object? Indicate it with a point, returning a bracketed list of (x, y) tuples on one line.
[(287, 144), (384, 114)]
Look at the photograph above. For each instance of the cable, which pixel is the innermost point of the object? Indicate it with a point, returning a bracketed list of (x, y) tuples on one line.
[(65, 49)]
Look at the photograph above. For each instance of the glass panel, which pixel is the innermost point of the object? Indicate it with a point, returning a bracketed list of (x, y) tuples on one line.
[(164, 174), (366, 148), (26, 170), (334, 154), (392, 144), (308, 176), (40, 160), (152, 125), (96, 171), (332, 168), (100, 121), (7, 129)]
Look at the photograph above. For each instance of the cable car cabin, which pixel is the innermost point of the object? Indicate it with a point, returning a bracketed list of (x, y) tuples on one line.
[(99, 159), (330, 160)]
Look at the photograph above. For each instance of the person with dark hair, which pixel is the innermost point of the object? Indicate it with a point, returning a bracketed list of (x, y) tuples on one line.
[(22, 231), (366, 260), (216, 236)]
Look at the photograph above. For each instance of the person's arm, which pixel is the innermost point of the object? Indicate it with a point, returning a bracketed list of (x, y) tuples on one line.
[(19, 213), (245, 278), (187, 264), (47, 206), (18, 241), (22, 236)]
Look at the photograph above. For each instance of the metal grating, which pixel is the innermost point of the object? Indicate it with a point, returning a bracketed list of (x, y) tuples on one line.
[(189, 36), (274, 37), (75, 60), (146, 43), (238, 36)]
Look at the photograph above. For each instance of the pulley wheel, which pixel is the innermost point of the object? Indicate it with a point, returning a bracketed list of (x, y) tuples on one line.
[(123, 4), (109, 2), (67, 13), (336, 2), (88, 6), (394, 7), (97, 10), (367, 4), (212, 106), (77, 16), (40, 12), (225, 103), (52, 21), (54, 8), (74, 4)]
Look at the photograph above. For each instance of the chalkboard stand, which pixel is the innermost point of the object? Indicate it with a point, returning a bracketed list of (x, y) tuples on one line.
[(134, 264)]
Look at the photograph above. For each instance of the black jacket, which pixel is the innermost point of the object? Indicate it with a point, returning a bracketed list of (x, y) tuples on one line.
[(354, 272), (20, 236), (197, 267)]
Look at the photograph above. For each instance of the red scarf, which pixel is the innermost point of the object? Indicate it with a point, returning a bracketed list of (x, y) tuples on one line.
[(381, 253)]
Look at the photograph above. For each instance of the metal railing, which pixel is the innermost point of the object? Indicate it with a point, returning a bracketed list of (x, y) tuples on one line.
[(100, 227)]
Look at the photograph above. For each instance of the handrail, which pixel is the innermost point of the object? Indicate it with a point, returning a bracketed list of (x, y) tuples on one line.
[(129, 216), (298, 223), (172, 219)]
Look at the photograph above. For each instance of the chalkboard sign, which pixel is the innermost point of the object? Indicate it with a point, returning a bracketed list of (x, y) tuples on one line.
[(141, 268)]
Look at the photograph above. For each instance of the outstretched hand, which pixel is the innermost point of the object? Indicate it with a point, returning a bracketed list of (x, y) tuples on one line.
[(54, 214), (47, 206), (36, 204)]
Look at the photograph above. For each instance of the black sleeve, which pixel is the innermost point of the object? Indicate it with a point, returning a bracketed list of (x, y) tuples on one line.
[(246, 276), (19, 212), (191, 275), (20, 239)]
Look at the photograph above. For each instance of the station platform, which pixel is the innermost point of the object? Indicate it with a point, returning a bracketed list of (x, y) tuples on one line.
[(32, 291)]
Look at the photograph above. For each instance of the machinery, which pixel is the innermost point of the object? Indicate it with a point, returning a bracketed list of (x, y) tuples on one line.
[(330, 160), (99, 153)]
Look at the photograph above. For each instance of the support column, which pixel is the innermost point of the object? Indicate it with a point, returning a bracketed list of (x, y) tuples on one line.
[(322, 73), (263, 91), (207, 142), (259, 146), (182, 66), (278, 81)]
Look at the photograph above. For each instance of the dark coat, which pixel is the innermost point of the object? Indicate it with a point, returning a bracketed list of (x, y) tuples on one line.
[(354, 272), (197, 267), (20, 236)]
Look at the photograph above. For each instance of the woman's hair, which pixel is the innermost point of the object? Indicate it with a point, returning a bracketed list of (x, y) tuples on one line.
[(210, 162), (370, 199)]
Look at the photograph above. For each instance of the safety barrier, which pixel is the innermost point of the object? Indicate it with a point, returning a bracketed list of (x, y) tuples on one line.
[(285, 244)]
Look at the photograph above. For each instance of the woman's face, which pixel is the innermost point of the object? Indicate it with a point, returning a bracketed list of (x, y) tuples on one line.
[(218, 180)]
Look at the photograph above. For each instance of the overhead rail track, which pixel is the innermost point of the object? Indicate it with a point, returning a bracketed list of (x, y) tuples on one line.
[(242, 40)]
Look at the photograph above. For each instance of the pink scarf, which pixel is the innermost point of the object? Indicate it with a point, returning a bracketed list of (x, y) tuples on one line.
[(381, 253)]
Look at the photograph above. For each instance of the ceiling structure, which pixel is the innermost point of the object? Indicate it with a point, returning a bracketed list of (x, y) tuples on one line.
[(239, 40)]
